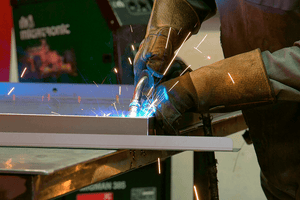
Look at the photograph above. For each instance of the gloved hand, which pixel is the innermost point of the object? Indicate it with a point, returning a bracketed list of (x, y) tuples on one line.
[(170, 23), (232, 84)]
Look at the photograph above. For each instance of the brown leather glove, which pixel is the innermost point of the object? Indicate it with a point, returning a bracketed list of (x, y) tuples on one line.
[(234, 83), (169, 24)]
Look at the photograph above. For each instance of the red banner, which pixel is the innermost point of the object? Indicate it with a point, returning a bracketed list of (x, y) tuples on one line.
[(5, 39), (95, 196)]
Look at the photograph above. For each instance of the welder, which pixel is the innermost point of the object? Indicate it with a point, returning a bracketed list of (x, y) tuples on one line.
[(260, 75)]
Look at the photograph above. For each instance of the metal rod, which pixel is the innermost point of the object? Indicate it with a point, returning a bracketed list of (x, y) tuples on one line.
[(211, 161), (205, 171)]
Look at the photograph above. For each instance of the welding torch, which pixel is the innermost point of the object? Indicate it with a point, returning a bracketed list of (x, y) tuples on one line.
[(145, 82)]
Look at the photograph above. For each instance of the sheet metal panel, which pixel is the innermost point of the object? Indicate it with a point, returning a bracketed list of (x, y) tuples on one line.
[(95, 141), (75, 124)]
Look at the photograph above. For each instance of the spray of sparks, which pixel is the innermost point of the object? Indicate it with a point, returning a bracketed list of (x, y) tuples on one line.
[(23, 72), (11, 90)]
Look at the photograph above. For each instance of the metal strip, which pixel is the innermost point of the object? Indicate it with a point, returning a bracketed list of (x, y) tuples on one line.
[(75, 124), (180, 143)]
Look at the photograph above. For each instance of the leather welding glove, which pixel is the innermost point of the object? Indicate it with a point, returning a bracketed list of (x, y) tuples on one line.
[(170, 23), (234, 83)]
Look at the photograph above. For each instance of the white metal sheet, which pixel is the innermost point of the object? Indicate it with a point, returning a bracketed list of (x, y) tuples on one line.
[(95, 141)]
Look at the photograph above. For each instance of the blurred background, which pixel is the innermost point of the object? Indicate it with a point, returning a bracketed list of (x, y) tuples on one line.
[(76, 42)]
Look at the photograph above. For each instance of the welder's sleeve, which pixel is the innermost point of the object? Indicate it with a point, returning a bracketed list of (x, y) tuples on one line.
[(283, 69), (204, 8)]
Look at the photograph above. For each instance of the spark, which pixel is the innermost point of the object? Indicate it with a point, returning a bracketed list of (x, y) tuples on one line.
[(106, 115), (94, 113), (8, 164), (23, 72), (104, 80), (168, 38), (201, 41), (196, 193), (197, 49), (115, 69), (179, 31), (95, 83), (159, 170), (132, 47), (176, 54), (129, 59), (150, 91), (120, 89), (131, 29), (116, 107), (152, 104), (231, 78), (173, 86), (55, 113), (208, 57), (185, 70), (12, 89)]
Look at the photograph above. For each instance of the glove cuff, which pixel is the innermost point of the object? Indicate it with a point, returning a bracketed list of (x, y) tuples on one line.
[(234, 83)]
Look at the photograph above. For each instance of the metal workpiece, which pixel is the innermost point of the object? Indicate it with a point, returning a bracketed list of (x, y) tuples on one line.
[(100, 141), (222, 124), (78, 108), (64, 126), (95, 168), (45, 123)]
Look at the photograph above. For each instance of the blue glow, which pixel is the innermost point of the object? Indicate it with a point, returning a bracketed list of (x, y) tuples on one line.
[(165, 93)]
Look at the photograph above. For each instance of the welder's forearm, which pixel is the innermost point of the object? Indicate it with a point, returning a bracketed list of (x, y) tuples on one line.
[(234, 83), (283, 69), (204, 8)]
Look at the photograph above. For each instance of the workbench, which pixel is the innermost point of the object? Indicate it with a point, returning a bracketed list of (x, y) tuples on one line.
[(45, 169)]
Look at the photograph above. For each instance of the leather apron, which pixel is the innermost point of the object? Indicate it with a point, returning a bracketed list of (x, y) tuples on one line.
[(274, 129)]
